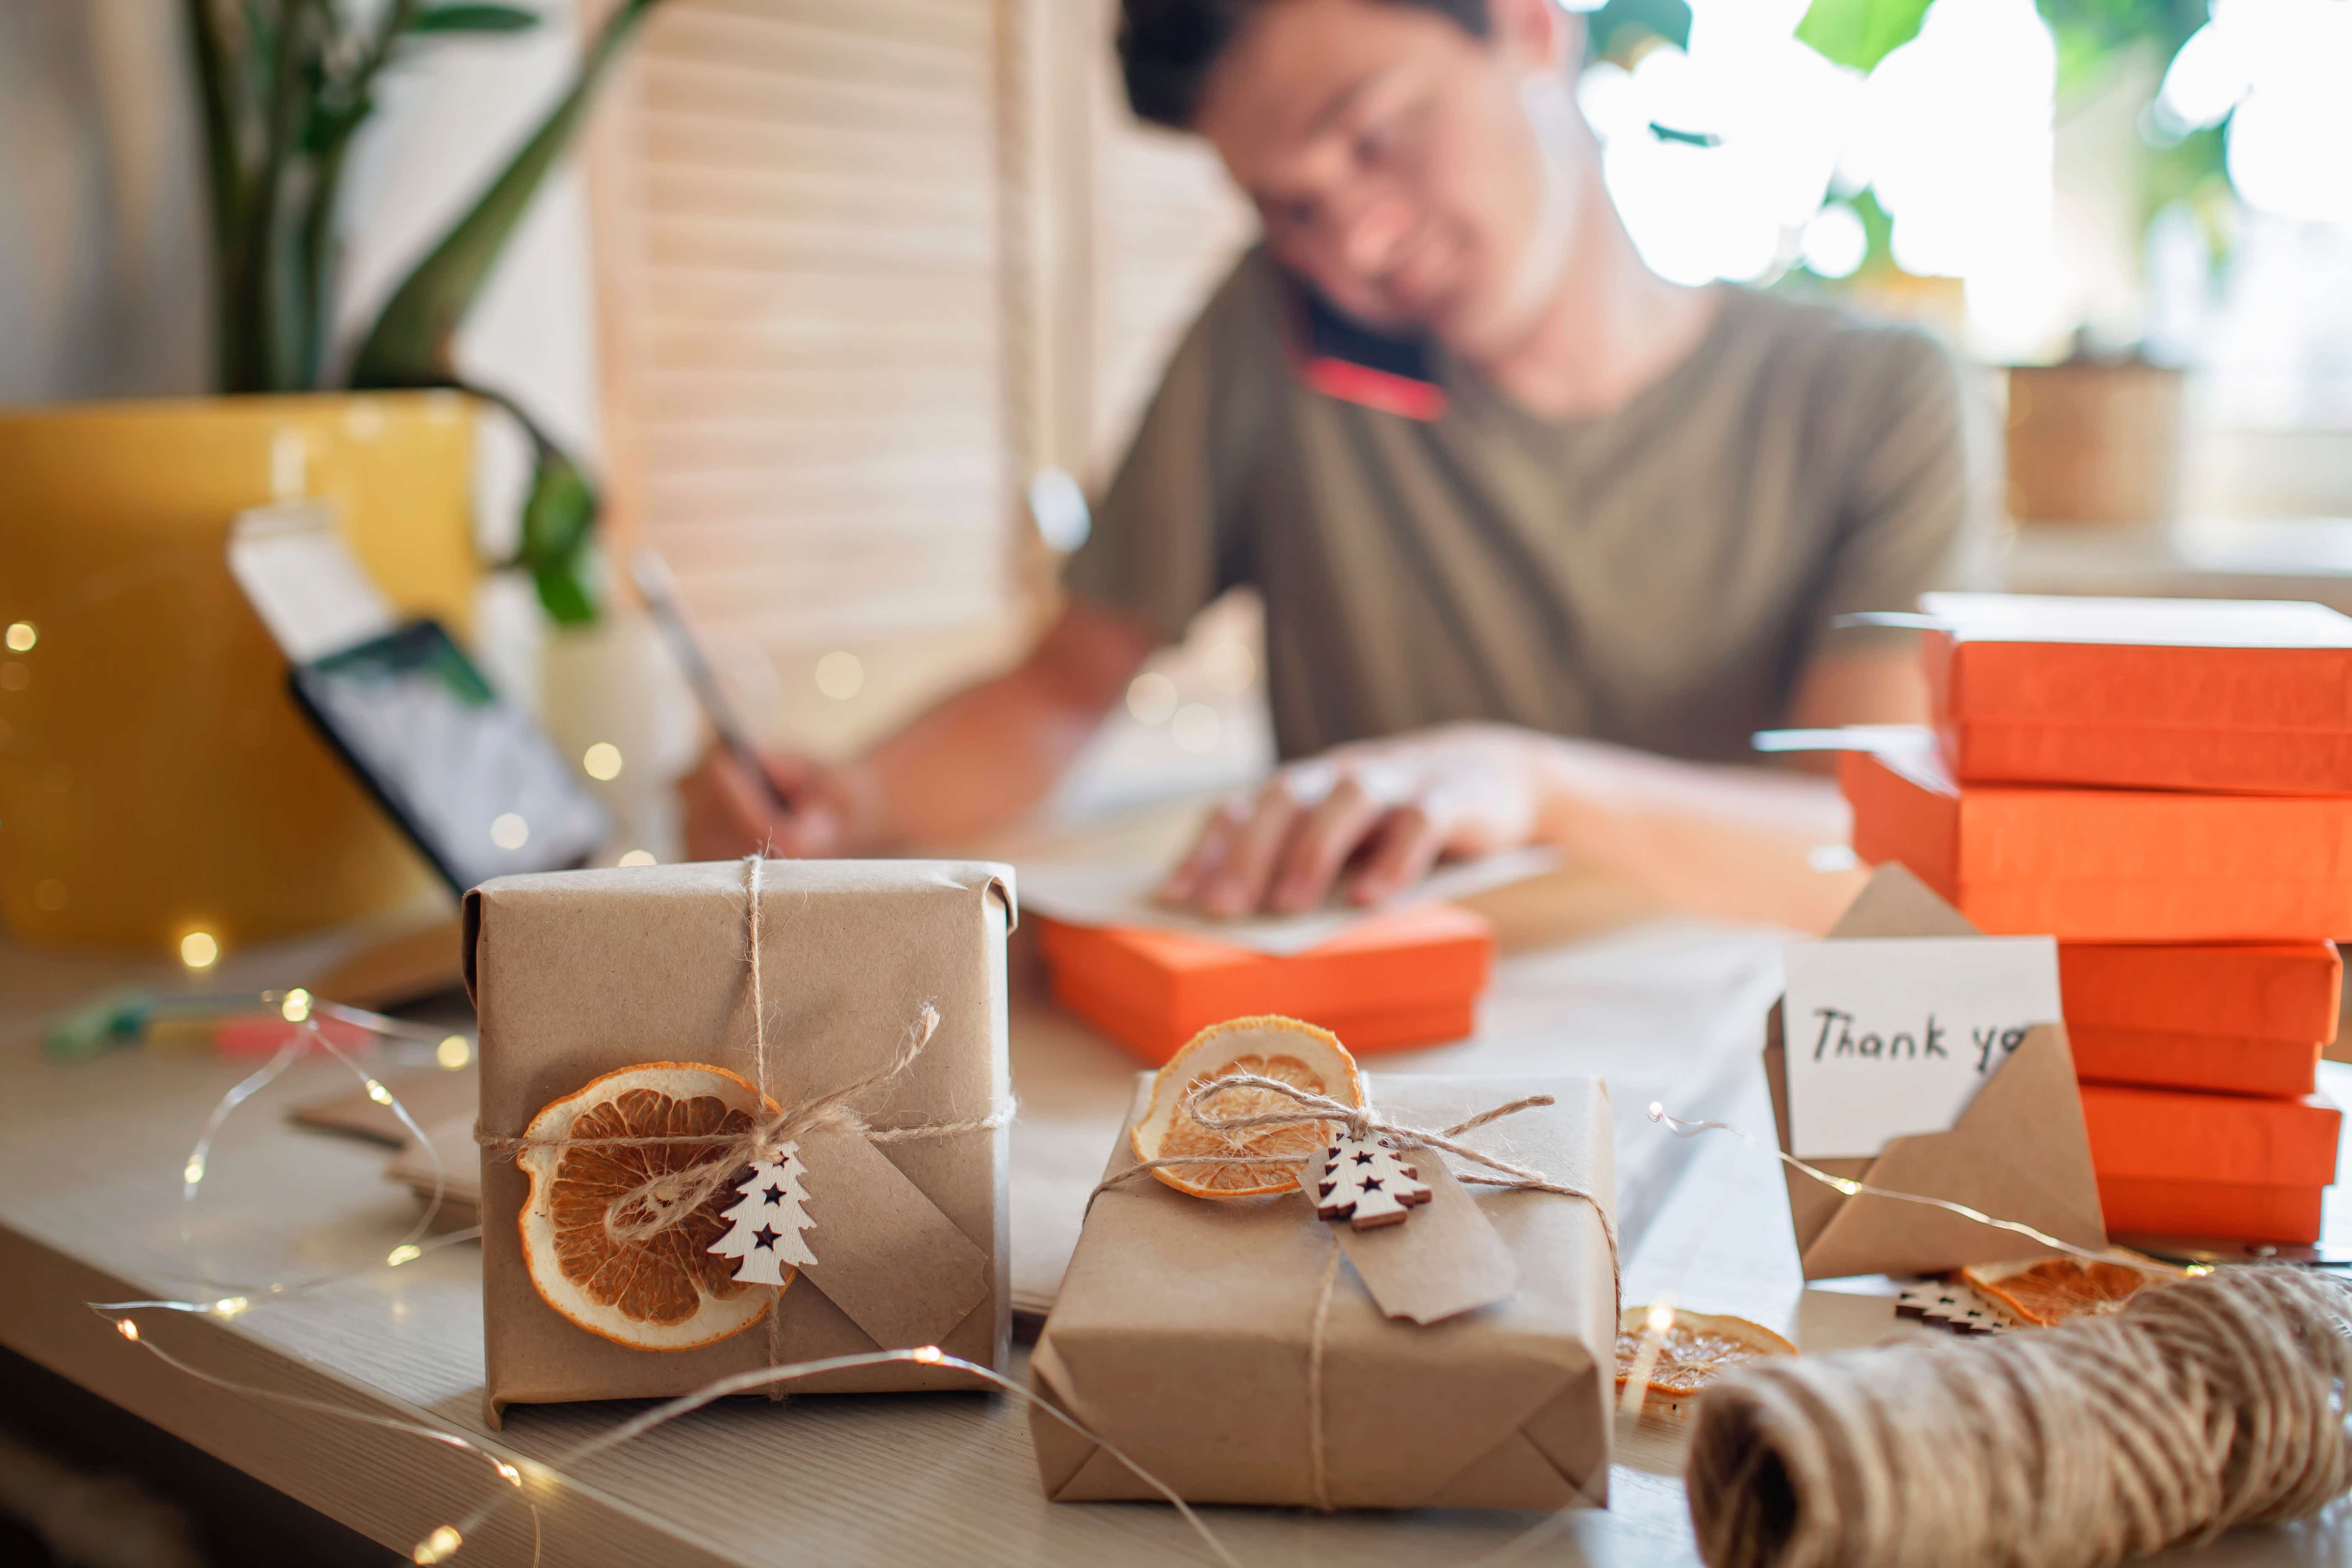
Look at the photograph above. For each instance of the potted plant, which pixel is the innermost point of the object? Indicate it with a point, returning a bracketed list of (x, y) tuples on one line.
[(154, 780)]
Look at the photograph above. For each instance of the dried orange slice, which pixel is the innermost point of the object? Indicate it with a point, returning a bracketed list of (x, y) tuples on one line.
[(2053, 1289), (1696, 1349), (1281, 1049), (668, 1292)]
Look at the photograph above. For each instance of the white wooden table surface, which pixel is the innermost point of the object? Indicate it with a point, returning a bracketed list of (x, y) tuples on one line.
[(90, 1160)]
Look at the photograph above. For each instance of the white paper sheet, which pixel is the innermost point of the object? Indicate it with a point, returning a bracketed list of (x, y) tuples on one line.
[(304, 580), (1103, 893), (1891, 1038)]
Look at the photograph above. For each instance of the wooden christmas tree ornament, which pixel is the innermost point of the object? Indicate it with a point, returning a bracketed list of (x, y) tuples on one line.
[(1365, 1182)]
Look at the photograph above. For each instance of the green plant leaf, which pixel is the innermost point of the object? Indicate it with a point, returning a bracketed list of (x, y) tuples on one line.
[(1860, 32), (559, 520), (409, 345), (475, 19)]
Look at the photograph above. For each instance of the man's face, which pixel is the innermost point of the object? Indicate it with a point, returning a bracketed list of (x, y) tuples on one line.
[(1394, 163)]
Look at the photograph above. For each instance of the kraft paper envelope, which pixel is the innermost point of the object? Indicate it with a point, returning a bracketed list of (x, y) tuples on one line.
[(1184, 1334), (578, 974), (2019, 1152)]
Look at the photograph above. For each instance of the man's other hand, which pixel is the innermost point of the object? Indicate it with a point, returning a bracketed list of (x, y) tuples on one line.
[(1370, 819), (729, 815)]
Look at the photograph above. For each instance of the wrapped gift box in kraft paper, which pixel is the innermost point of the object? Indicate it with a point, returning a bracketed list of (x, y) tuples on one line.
[(579, 974), (1193, 1334)]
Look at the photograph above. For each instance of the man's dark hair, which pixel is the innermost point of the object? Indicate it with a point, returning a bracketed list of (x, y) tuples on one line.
[(1167, 48)]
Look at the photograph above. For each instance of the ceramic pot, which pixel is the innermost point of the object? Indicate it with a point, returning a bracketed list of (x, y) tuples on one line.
[(155, 778)]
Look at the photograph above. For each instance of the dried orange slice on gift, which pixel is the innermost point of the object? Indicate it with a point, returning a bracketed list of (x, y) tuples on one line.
[(1281, 1049), (1696, 1349), (2053, 1289), (669, 1292)]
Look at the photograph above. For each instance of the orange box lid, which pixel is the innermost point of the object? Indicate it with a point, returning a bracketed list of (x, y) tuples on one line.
[(2222, 1064), (2270, 991), (2253, 664), (2238, 1211), (1407, 960), (2162, 1134), (2094, 865), (2252, 695)]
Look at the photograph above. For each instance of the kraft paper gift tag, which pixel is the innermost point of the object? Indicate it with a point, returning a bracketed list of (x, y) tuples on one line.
[(580, 973), (2018, 1151)]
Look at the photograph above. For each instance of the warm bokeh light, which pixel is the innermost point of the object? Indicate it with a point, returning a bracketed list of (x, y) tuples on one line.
[(296, 1007), (1230, 666), (1151, 697), (839, 676), (1196, 728), (22, 635), (601, 762), (509, 831), (638, 858), (452, 1052), (198, 950), (406, 1252), (437, 1546)]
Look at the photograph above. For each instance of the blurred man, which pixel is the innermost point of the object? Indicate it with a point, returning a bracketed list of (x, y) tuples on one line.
[(1528, 519)]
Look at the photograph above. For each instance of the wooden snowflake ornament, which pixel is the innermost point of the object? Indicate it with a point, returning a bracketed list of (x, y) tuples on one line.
[(768, 1223), (1365, 1182)]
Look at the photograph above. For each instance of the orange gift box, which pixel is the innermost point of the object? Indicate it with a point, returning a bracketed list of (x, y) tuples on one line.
[(2214, 695), (1395, 980), (2109, 865), (2243, 1018), (2173, 1162), (2220, 1063)]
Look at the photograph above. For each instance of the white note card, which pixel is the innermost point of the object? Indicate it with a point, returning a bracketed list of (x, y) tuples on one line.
[(1890, 1037)]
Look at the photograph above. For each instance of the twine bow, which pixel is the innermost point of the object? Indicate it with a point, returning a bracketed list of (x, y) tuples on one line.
[(1361, 1122), (662, 1203)]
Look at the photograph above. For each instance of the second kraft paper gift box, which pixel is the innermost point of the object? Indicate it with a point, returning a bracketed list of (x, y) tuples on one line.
[(636, 975), (1188, 1334)]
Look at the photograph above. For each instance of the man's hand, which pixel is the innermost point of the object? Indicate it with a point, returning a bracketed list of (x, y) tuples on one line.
[(1371, 818), (728, 815)]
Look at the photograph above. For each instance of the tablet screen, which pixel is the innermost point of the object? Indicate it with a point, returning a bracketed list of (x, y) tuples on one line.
[(474, 781)]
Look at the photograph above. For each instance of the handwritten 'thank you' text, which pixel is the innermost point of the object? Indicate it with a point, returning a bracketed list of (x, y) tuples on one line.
[(1838, 1039)]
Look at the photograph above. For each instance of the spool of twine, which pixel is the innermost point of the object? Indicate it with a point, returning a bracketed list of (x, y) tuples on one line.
[(2200, 1405)]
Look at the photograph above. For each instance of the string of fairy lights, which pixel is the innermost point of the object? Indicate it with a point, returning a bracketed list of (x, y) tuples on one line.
[(444, 1542)]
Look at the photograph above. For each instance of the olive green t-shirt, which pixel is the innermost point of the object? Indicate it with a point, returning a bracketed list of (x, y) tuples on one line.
[(1658, 577)]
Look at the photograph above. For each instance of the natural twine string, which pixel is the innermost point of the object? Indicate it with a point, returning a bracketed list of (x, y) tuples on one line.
[(2200, 1405), (1361, 1122), (660, 1203)]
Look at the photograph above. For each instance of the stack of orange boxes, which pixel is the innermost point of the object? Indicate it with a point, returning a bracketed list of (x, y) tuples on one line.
[(2165, 786)]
